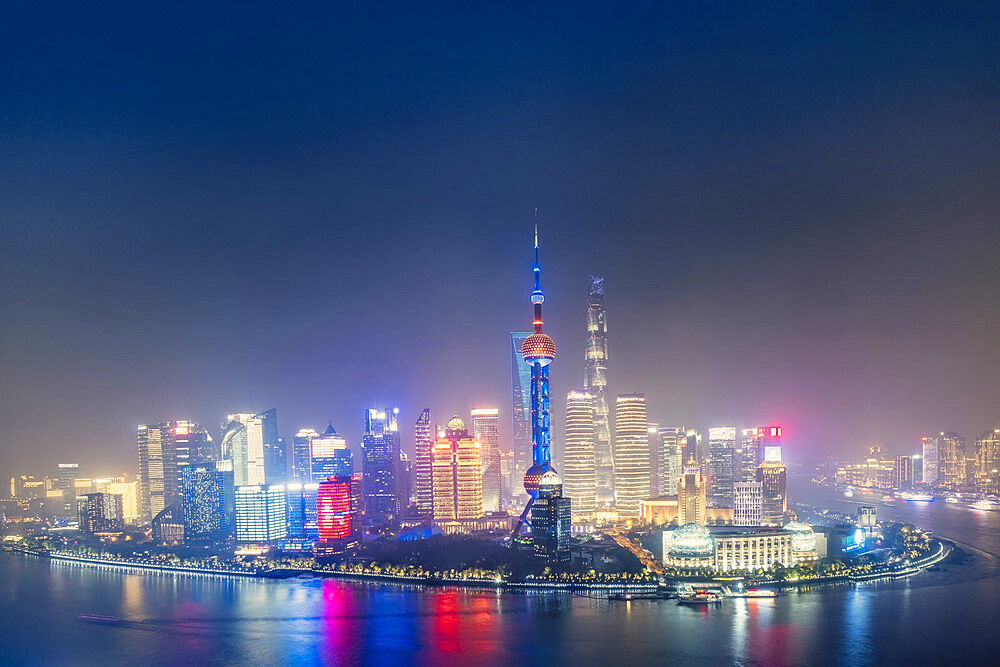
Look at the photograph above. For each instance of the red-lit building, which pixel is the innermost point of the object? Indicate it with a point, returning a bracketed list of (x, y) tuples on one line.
[(338, 514)]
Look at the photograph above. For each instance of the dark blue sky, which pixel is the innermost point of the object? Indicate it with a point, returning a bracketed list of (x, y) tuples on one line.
[(796, 208)]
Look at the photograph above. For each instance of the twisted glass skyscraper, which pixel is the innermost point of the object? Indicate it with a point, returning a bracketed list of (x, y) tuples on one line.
[(595, 382)]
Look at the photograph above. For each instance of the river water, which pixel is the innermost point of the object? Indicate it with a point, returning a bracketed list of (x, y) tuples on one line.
[(949, 615)]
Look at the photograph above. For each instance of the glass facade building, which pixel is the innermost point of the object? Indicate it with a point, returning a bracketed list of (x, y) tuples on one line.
[(330, 456), (486, 431), (422, 444), (381, 455), (595, 382), (631, 454), (261, 513), (722, 463), (457, 474), (207, 510), (579, 477)]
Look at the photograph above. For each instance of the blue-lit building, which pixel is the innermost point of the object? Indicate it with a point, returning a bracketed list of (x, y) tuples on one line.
[(551, 518), (301, 513), (301, 455), (381, 459), (520, 382), (261, 513), (538, 351), (330, 457), (207, 509)]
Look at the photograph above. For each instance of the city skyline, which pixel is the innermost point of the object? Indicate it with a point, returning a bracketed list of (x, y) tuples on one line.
[(823, 220)]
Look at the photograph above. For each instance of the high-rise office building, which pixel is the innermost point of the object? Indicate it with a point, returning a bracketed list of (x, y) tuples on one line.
[(691, 491), (551, 516), (339, 510), (673, 440), (301, 513), (952, 460), (520, 382), (579, 477), (986, 474), (772, 477), (693, 448), (655, 458), (301, 464), (929, 449), (100, 513), (721, 461), (243, 444), (422, 445), (193, 445), (129, 491), (748, 504), (486, 431), (161, 447), (273, 446), (538, 350), (206, 507), (595, 382), (168, 524), (769, 444), (457, 474), (261, 513), (381, 455), (631, 455), (747, 455), (903, 472), (330, 456), (64, 481)]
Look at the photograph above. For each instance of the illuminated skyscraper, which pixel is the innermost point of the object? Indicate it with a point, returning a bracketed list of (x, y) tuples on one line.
[(551, 517), (165, 450), (302, 454), (691, 492), (330, 456), (457, 474), (338, 510), (672, 441), (301, 513), (520, 382), (748, 504), (100, 513), (486, 431), (579, 479), (952, 460), (929, 469), (129, 491), (261, 513), (903, 472), (655, 458), (423, 442), (746, 456), (206, 516), (772, 476), (65, 482), (987, 462), (243, 443), (721, 461), (381, 456), (538, 351), (631, 454), (595, 382)]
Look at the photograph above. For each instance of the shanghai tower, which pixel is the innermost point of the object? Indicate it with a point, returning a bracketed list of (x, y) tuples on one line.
[(538, 351), (595, 382)]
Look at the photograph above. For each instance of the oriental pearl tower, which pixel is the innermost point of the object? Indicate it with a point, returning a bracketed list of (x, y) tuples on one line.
[(538, 351)]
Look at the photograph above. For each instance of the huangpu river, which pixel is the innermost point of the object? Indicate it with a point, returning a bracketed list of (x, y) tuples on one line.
[(950, 614)]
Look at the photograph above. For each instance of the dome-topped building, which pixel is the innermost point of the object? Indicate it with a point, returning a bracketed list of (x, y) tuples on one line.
[(803, 541), (455, 424), (692, 540)]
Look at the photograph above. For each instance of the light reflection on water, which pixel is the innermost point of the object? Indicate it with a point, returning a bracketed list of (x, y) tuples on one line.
[(168, 618)]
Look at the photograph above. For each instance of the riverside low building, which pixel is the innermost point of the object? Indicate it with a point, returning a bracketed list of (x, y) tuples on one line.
[(661, 511), (729, 548)]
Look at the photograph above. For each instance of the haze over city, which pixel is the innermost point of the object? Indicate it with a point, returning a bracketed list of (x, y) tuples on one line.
[(797, 225)]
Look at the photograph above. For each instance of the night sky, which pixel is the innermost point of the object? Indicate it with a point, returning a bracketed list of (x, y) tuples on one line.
[(797, 209)]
